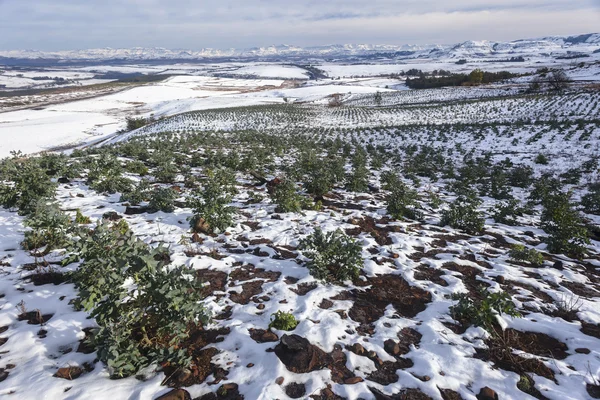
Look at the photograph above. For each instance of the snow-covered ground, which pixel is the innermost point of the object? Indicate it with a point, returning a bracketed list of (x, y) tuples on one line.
[(256, 269)]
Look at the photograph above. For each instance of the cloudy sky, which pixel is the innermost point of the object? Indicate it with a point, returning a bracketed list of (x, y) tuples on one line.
[(196, 24)]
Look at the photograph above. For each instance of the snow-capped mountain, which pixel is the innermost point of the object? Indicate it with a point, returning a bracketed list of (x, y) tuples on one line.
[(553, 45)]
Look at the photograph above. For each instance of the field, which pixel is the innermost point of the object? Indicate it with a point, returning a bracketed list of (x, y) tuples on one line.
[(460, 254)]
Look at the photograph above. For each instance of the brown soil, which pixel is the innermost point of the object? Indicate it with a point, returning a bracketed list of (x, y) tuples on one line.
[(369, 305)]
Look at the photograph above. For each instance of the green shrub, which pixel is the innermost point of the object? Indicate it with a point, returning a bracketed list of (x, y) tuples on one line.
[(284, 321), (507, 212), (541, 159), (591, 201), (402, 201), (136, 167), (48, 227), (112, 184), (81, 219), (162, 199), (463, 214), (482, 311), (140, 323), (136, 194), (210, 204), (567, 231), (28, 183), (358, 179), (285, 195), (335, 257), (521, 253)]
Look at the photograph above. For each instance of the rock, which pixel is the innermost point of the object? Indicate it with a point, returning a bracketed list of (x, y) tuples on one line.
[(487, 394), (500, 279), (129, 210), (111, 216), (250, 365), (582, 350), (295, 390), (68, 373), (357, 349), (202, 226), (391, 347), (279, 380), (175, 394), (558, 265), (3, 375), (299, 356), (263, 336), (354, 380)]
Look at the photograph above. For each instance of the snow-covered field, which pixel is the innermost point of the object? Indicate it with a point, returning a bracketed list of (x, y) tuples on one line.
[(390, 333)]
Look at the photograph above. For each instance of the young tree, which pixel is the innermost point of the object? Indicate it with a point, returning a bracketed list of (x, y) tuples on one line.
[(559, 80)]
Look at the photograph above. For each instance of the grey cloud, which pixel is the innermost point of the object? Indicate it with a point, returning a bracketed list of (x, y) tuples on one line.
[(63, 24)]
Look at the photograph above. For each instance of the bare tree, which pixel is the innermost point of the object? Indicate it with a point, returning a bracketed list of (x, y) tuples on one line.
[(559, 80)]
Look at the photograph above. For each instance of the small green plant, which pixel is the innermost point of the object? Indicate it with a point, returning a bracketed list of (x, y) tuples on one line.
[(482, 311), (49, 227), (402, 201), (335, 257), (567, 231), (285, 195), (507, 212), (162, 199), (27, 184), (521, 253), (210, 204), (136, 167), (81, 219), (541, 159), (284, 321), (591, 201), (136, 194), (142, 322), (463, 214)]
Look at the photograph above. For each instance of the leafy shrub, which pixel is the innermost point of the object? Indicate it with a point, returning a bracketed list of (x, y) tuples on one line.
[(81, 219), (482, 311), (521, 253), (566, 229), (591, 201), (285, 195), (358, 179), (521, 176), (135, 195), (463, 214), (112, 184), (541, 159), (335, 257), (284, 321), (136, 167), (402, 201), (139, 324), (210, 205), (162, 199), (507, 212), (28, 184), (48, 226)]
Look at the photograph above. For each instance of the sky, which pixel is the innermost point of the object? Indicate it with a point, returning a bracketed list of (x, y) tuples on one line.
[(52, 25)]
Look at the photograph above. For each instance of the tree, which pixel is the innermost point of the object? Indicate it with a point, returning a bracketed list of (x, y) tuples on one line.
[(378, 98), (559, 80), (476, 76)]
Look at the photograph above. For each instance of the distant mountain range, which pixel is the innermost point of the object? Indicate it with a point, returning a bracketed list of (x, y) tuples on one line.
[(540, 47)]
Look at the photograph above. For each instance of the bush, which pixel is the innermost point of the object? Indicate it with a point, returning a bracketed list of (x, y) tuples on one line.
[(285, 195), (335, 257), (140, 323), (463, 214), (358, 179), (137, 194), (284, 321), (402, 201), (541, 159), (507, 212), (210, 205), (28, 184), (112, 184), (162, 199), (567, 231), (48, 226), (136, 167), (81, 219), (482, 311), (520, 253), (591, 201)]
